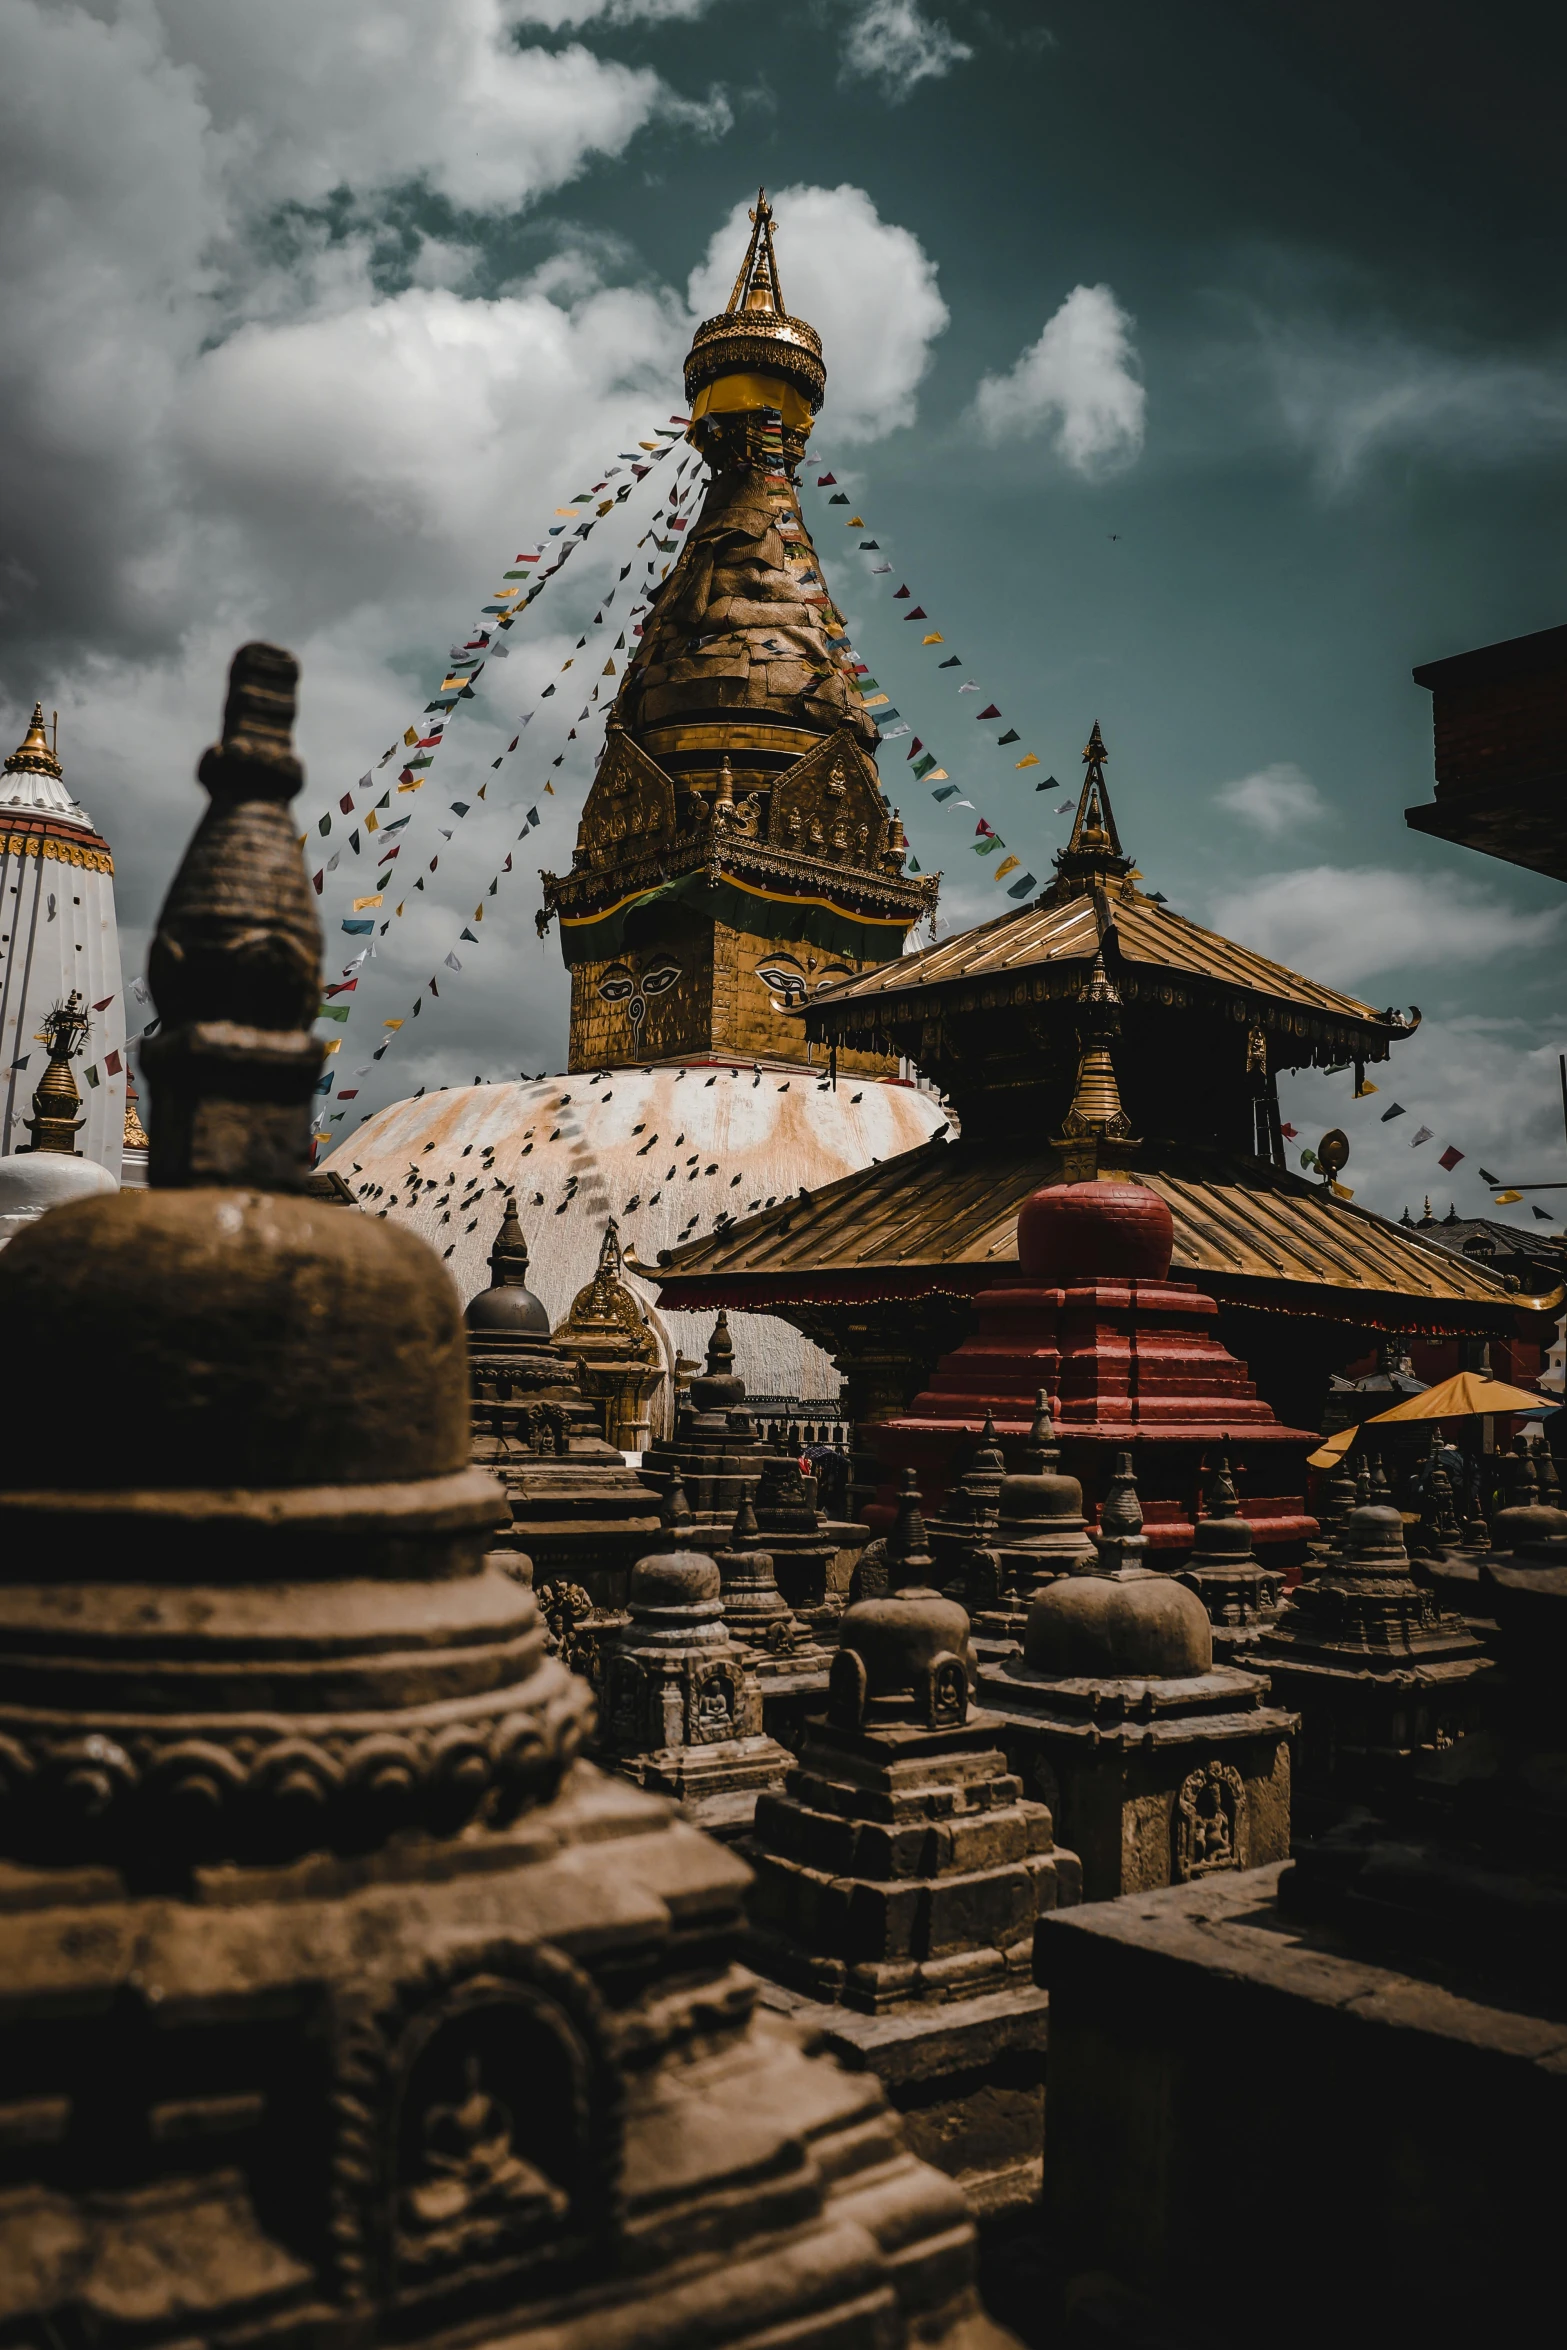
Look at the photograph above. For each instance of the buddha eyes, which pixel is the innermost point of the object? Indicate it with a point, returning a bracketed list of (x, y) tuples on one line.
[(660, 979), (615, 986), (787, 983)]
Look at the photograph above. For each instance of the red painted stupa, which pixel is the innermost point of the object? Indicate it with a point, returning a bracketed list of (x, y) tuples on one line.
[(1129, 1356)]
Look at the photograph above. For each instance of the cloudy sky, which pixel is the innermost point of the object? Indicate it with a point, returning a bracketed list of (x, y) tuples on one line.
[(1202, 369)]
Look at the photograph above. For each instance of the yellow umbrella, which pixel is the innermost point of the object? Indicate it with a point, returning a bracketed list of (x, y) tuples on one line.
[(1462, 1395), (1333, 1448)]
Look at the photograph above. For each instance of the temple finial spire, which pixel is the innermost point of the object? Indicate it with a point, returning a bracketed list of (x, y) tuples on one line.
[(35, 754), (54, 1124), (1096, 1115), (757, 287), (1094, 850), (235, 967), (509, 1255)]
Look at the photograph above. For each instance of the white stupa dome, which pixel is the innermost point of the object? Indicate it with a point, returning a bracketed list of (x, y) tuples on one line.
[(665, 1151), (32, 1182)]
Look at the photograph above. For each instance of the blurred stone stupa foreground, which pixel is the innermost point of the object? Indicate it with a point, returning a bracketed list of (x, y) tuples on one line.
[(736, 855), (343, 2004)]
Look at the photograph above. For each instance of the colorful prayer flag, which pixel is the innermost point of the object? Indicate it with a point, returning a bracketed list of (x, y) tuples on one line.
[(1011, 736), (112, 1063), (1032, 760), (1006, 866), (359, 929), (1449, 1158), (990, 711), (936, 638), (919, 613), (1020, 889), (361, 903), (1364, 1087), (1424, 1135), (1505, 1199), (1393, 1110)]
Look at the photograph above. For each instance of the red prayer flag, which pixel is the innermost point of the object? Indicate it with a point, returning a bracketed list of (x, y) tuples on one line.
[(346, 803), (915, 748), (897, 592), (1449, 1158), (318, 880), (992, 712), (112, 1064), (104, 1006), (826, 480), (982, 830), (1289, 1132), (919, 613)]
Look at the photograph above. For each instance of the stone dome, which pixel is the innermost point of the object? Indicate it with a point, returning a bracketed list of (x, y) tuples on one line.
[(1134, 1626), (229, 1338), (900, 1635), (507, 1313), (1039, 1497), (33, 1182), (1374, 1537), (1094, 1231), (653, 1147), (675, 1579)]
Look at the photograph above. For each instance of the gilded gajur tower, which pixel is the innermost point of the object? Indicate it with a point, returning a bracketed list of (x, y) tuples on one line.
[(736, 853)]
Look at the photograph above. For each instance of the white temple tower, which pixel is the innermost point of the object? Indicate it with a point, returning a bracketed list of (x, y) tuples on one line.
[(57, 932)]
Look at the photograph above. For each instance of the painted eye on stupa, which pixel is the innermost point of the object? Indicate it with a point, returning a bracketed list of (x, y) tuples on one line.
[(832, 976), (616, 984), (660, 979), (784, 978)]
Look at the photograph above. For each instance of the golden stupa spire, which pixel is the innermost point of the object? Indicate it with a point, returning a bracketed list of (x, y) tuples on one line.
[(54, 1124), (1096, 1115), (35, 754), (753, 357), (757, 287), (1094, 850)]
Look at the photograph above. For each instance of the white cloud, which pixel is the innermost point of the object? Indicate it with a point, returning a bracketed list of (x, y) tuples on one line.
[(1349, 399), (1276, 799), (891, 43), (866, 285), (1080, 380), (1482, 1086), (1344, 924)]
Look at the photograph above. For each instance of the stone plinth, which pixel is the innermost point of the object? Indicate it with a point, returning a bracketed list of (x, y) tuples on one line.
[(1377, 1669), (578, 1512), (1125, 1352), (682, 1712), (1159, 1764), (344, 2004), (1363, 2088), (723, 1459), (899, 1873)]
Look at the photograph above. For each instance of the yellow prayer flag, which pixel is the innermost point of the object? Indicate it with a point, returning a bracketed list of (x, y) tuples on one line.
[(1031, 761), (361, 903), (397, 909), (855, 522), (550, 788), (1505, 1199), (937, 775), (935, 638), (299, 844), (411, 736), (478, 913), (1006, 866), (570, 512), (372, 822), (391, 1024), (606, 505), (608, 669), (1364, 1087), (415, 783), (335, 1046), (1341, 1191)]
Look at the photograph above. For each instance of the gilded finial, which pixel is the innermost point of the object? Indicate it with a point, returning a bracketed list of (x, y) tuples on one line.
[(54, 1124), (756, 287), (35, 754), (724, 802), (1096, 1103), (235, 966), (1094, 850), (754, 337)]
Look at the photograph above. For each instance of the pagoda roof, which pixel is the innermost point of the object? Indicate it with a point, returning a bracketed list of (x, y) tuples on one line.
[(1071, 929), (944, 1217)]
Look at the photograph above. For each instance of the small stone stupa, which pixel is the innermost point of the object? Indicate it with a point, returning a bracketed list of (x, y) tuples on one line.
[(723, 1459), (342, 2003), (1159, 1764), (578, 1512), (1377, 1669), (1240, 1594), (899, 1877), (1033, 1531), (682, 1711)]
